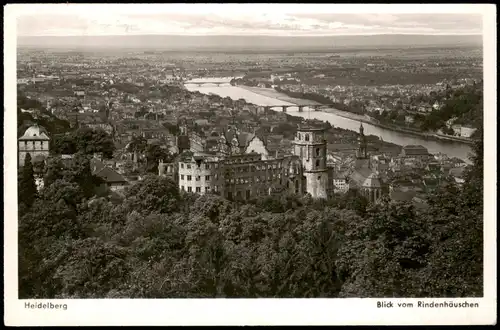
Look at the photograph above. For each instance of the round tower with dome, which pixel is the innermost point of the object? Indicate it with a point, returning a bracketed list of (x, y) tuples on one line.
[(34, 141)]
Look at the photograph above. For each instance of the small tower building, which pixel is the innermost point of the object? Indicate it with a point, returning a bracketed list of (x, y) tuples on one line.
[(35, 141), (310, 146)]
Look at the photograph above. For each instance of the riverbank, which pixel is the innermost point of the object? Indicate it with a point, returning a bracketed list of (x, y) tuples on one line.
[(425, 135), (269, 92)]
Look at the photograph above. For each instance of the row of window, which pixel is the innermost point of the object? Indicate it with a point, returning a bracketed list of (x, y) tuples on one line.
[(259, 167), (238, 180), (246, 169), (242, 169), (198, 189), (306, 136), (207, 166), (242, 160), (33, 144), (255, 179), (198, 177)]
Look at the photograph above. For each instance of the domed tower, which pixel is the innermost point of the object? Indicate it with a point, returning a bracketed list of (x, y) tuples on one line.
[(35, 141), (310, 146)]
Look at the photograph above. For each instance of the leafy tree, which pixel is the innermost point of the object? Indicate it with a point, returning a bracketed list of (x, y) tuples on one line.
[(138, 144), (159, 256), (27, 188), (455, 261), (91, 269), (215, 208), (353, 200), (84, 140), (79, 172), (90, 141), (153, 194), (54, 170), (63, 144), (154, 153), (475, 173), (43, 232), (38, 261), (75, 170), (269, 204), (287, 129), (390, 244), (129, 168), (455, 217), (38, 166)]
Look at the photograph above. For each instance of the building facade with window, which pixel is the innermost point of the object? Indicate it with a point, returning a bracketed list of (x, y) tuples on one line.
[(243, 176), (239, 177), (35, 141), (198, 172)]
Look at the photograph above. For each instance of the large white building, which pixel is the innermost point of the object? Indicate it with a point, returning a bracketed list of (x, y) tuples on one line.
[(198, 173), (246, 170)]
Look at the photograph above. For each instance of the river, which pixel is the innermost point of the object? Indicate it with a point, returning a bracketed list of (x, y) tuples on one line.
[(452, 149)]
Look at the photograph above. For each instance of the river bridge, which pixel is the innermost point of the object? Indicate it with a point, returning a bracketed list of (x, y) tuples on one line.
[(217, 81), (201, 83), (313, 107)]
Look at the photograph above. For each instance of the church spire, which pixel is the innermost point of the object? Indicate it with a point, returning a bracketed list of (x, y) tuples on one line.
[(362, 150)]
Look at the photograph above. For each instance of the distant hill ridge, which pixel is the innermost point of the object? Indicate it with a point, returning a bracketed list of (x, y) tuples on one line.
[(177, 42)]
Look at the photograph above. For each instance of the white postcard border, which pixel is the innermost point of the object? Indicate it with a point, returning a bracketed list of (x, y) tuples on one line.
[(253, 311)]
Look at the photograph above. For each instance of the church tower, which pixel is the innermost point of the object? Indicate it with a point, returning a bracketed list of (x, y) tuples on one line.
[(183, 142), (361, 153), (310, 146)]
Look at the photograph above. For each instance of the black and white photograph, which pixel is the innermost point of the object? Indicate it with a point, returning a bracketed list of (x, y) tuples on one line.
[(221, 154)]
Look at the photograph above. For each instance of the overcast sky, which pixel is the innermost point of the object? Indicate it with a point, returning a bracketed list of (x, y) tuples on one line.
[(247, 19)]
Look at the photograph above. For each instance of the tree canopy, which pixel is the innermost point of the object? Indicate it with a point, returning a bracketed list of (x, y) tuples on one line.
[(84, 140), (27, 188)]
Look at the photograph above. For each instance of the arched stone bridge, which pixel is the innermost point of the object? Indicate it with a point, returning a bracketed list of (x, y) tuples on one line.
[(201, 83), (210, 81), (314, 107)]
